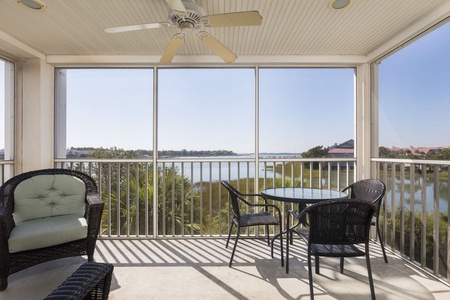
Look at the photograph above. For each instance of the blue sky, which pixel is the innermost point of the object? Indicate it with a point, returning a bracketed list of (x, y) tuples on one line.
[(211, 109), (2, 104), (415, 93)]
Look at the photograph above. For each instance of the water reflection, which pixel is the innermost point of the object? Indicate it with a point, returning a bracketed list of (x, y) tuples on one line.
[(428, 195)]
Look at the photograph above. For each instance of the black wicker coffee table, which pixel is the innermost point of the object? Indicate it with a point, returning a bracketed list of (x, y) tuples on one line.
[(91, 281)]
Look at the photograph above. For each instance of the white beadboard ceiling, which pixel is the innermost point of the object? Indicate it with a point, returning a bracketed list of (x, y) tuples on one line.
[(289, 27)]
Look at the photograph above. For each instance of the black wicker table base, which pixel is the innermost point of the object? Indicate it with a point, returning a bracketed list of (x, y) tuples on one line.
[(91, 281)]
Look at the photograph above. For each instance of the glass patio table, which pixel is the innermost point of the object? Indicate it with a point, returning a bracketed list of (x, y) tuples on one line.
[(302, 197)]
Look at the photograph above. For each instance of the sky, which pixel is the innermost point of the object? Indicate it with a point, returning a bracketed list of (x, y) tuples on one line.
[(415, 93), (2, 104), (214, 109), (211, 109)]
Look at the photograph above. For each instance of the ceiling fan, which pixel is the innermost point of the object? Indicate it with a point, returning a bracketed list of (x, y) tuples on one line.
[(188, 16)]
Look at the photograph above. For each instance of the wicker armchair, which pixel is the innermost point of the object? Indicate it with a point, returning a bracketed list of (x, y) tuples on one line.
[(335, 228), (11, 261), (371, 190), (265, 217)]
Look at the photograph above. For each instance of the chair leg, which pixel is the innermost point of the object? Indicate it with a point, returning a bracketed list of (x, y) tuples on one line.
[(311, 288), (317, 263), (3, 283), (289, 234), (267, 233), (369, 271), (229, 234), (271, 247), (381, 242), (281, 246), (235, 244), (342, 265)]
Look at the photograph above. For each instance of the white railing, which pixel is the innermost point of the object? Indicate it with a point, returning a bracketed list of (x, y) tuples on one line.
[(189, 198), (190, 202), (417, 197), (6, 170)]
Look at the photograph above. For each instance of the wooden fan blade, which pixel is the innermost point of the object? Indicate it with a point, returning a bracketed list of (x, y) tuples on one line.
[(216, 47), (172, 48), (177, 5), (137, 27), (245, 18)]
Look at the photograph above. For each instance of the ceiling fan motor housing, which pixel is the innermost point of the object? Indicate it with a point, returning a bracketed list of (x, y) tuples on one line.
[(190, 20)]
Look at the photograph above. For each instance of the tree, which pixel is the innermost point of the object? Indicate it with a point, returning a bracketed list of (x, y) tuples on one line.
[(316, 152), (127, 189)]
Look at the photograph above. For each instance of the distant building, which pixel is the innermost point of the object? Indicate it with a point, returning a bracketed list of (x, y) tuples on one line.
[(75, 153), (344, 150), (417, 151)]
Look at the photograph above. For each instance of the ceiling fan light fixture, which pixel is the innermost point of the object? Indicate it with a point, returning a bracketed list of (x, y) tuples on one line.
[(339, 4), (33, 4)]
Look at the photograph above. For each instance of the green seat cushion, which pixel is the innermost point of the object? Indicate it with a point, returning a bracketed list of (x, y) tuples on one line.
[(45, 196), (40, 233)]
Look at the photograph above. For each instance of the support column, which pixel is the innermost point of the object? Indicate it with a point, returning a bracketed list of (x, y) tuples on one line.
[(34, 135), (363, 122)]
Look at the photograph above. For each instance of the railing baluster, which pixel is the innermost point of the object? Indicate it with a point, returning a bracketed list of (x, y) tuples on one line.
[(147, 200), (436, 220), (210, 199), (182, 199), (402, 209), (119, 225), (423, 240), (127, 193), (393, 202), (192, 199), (412, 199), (173, 211), (163, 202)]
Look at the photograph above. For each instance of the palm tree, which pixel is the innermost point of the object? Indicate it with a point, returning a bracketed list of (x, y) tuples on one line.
[(127, 189)]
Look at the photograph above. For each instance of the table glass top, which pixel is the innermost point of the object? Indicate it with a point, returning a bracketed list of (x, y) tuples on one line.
[(303, 193)]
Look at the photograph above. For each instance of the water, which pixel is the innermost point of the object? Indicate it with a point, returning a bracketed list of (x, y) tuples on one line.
[(216, 171), (429, 194)]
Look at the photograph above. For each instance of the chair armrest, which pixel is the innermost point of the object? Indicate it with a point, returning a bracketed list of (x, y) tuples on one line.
[(297, 216), (6, 226), (266, 205), (253, 195), (6, 218), (94, 199), (94, 211)]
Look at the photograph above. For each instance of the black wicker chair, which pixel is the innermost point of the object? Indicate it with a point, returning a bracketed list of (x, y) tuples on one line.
[(371, 190), (14, 262), (265, 217), (335, 228)]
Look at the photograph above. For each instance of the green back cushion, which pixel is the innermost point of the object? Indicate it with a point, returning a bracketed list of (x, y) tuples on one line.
[(45, 196)]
